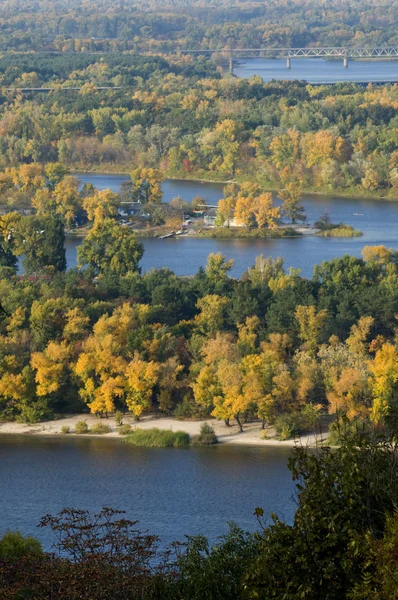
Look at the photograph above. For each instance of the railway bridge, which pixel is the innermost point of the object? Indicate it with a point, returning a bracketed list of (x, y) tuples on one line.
[(290, 53)]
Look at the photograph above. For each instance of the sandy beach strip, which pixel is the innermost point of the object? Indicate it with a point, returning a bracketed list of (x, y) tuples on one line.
[(252, 434)]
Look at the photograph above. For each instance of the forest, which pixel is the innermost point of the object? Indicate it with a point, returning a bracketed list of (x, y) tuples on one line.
[(180, 115), (271, 346), (166, 25)]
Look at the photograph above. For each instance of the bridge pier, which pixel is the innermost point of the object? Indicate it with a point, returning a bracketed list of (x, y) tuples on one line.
[(345, 63), (288, 65), (231, 65)]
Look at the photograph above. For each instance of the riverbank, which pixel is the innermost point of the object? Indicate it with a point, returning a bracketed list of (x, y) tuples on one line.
[(251, 436)]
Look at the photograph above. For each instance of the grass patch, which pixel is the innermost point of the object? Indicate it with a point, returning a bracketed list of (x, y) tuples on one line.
[(100, 428), (125, 429), (158, 438), (81, 427), (243, 232), (65, 429), (206, 437), (341, 230)]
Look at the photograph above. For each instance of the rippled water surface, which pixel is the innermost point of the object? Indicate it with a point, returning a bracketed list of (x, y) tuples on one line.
[(171, 492)]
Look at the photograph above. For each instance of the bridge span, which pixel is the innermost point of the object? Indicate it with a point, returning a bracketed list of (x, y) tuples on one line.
[(291, 53)]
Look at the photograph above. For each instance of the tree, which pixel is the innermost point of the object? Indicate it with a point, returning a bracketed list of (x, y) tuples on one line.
[(225, 211), (67, 199), (311, 324), (384, 371), (217, 267), (147, 185), (100, 205), (265, 213), (110, 247), (54, 173), (212, 313), (41, 240), (8, 242), (291, 206)]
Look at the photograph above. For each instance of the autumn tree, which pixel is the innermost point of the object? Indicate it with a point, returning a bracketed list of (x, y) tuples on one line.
[(109, 246), (291, 197), (311, 323), (147, 185)]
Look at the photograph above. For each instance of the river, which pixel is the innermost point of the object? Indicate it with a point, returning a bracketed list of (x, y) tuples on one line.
[(171, 492), (318, 70), (377, 220)]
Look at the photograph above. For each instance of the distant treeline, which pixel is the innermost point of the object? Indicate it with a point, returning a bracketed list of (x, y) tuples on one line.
[(168, 25)]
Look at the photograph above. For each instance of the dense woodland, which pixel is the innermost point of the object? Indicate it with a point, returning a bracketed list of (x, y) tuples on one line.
[(162, 25), (272, 346), (181, 116)]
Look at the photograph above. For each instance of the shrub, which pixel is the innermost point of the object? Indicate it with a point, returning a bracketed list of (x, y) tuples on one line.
[(187, 409), (206, 437), (293, 424), (287, 426), (125, 429), (82, 427), (100, 428), (340, 230), (345, 429), (65, 429), (119, 418), (14, 545), (159, 438)]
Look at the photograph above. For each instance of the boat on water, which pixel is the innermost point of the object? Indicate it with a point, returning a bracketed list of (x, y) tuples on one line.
[(358, 214)]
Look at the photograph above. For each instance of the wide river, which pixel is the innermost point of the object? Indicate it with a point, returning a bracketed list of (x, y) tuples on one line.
[(171, 492), (377, 219), (318, 70)]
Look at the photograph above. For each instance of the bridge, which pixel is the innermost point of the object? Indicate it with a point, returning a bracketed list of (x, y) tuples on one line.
[(289, 53)]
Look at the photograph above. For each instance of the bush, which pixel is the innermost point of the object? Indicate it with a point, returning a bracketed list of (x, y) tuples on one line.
[(345, 429), (287, 426), (159, 438), (206, 437), (65, 429), (100, 428), (125, 429), (14, 545), (187, 409), (82, 427), (119, 418), (340, 230), (296, 423)]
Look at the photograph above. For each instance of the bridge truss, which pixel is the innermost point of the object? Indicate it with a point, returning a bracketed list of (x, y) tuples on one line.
[(333, 52)]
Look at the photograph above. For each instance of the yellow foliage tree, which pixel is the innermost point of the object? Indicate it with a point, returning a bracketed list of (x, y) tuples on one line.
[(141, 378), (384, 377), (51, 367), (310, 323)]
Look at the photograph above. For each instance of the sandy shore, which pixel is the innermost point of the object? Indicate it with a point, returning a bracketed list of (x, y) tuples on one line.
[(228, 435)]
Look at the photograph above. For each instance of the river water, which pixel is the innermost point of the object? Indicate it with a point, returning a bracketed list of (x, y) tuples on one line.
[(318, 70), (377, 219), (171, 492)]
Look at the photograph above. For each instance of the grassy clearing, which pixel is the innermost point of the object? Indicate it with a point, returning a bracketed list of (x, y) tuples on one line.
[(158, 438)]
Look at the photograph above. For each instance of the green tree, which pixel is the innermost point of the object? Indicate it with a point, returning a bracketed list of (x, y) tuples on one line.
[(110, 247), (41, 241)]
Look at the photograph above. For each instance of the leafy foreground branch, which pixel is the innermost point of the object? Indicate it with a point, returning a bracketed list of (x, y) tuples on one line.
[(342, 544)]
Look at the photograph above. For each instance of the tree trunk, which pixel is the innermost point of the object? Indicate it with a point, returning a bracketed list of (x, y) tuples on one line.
[(227, 424), (263, 422), (239, 423)]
